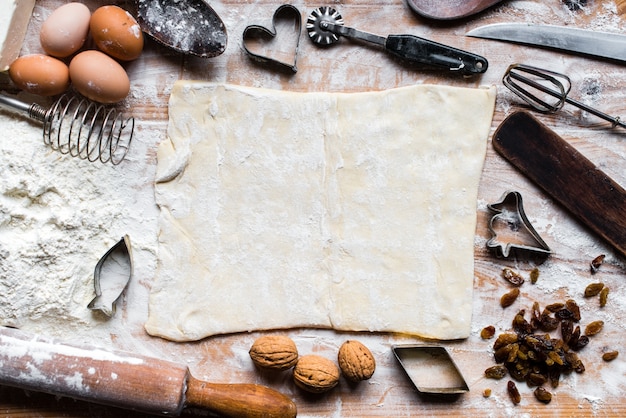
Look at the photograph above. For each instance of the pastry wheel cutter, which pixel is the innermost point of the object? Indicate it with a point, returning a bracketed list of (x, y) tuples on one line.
[(325, 25)]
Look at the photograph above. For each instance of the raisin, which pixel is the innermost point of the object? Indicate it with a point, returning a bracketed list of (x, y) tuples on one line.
[(512, 277), (488, 332), (594, 327), (513, 392), (496, 372), (542, 395), (604, 295), (581, 343), (564, 314), (573, 340), (572, 306), (596, 263), (534, 275), (610, 355), (556, 358), (593, 289), (505, 339), (536, 379), (508, 298), (553, 307), (520, 324), (535, 318), (567, 329), (548, 323), (555, 377)]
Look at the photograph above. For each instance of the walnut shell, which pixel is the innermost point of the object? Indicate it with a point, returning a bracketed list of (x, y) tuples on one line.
[(315, 373), (276, 352), (356, 361)]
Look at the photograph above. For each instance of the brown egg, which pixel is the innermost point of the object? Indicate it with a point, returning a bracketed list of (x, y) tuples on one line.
[(65, 30), (116, 33), (40, 74), (99, 77)]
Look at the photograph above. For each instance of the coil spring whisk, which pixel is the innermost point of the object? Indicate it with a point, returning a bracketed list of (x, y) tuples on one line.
[(81, 128)]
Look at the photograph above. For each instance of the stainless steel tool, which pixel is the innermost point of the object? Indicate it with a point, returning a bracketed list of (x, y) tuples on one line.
[(325, 25), (580, 41), (547, 91), (431, 369), (514, 232), (80, 127), (186, 26)]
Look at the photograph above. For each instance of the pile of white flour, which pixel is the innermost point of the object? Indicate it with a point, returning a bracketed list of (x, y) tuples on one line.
[(58, 216)]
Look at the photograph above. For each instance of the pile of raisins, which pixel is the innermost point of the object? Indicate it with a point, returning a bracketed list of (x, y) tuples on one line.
[(530, 354)]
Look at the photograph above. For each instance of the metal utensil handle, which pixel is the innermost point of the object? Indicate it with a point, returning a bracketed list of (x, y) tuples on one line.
[(423, 51), (511, 76)]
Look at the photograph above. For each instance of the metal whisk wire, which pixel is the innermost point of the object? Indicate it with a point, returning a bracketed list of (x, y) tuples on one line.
[(527, 82), (81, 128)]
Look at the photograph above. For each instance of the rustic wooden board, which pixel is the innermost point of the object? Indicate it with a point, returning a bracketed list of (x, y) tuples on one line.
[(352, 67)]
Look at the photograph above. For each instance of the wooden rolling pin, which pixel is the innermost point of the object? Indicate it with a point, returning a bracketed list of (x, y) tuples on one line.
[(126, 380)]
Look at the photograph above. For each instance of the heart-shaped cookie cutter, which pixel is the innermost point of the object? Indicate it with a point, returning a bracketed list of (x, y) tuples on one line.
[(286, 12), (516, 220)]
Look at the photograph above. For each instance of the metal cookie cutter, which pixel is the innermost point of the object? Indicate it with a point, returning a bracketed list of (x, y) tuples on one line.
[(517, 233), (430, 369), (117, 265), (284, 15)]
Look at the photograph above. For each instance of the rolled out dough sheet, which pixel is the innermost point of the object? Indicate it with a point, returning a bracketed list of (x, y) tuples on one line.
[(351, 211)]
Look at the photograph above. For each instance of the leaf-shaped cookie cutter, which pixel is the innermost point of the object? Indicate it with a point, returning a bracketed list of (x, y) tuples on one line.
[(431, 369), (99, 303), (284, 12), (513, 198)]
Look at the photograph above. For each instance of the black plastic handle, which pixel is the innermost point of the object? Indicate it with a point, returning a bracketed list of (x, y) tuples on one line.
[(423, 51)]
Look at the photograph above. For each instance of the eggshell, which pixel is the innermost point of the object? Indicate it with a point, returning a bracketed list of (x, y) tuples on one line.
[(40, 74), (65, 30), (116, 33), (99, 77)]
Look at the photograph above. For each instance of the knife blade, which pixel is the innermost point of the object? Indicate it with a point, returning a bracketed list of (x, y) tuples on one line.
[(581, 41)]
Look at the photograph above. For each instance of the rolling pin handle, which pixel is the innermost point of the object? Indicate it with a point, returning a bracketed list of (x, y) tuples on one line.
[(239, 400)]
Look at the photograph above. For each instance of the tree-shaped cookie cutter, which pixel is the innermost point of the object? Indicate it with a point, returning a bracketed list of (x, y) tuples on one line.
[(517, 221)]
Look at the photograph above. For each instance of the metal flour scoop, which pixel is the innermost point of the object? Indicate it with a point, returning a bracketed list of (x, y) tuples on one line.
[(187, 26)]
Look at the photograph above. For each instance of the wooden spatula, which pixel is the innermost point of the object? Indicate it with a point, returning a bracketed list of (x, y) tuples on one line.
[(127, 380), (565, 174)]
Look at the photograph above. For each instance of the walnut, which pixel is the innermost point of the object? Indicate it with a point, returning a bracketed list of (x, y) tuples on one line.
[(276, 352), (315, 373), (356, 361)]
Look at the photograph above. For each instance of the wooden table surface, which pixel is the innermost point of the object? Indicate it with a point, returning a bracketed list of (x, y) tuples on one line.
[(353, 67)]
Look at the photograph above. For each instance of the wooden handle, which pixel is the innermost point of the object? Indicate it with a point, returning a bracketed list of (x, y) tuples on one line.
[(239, 400), (126, 380), (565, 174)]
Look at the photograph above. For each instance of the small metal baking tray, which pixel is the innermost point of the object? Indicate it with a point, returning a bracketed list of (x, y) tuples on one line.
[(430, 369)]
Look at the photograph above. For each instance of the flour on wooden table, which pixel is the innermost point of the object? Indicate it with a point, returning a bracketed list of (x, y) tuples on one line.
[(58, 216)]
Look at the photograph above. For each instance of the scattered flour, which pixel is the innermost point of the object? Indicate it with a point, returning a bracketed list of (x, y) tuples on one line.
[(58, 216)]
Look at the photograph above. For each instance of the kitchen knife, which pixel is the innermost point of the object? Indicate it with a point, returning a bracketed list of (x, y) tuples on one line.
[(565, 175), (126, 380), (581, 41)]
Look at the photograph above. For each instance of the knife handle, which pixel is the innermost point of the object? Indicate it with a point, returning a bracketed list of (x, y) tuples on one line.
[(239, 400), (565, 175), (423, 51)]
